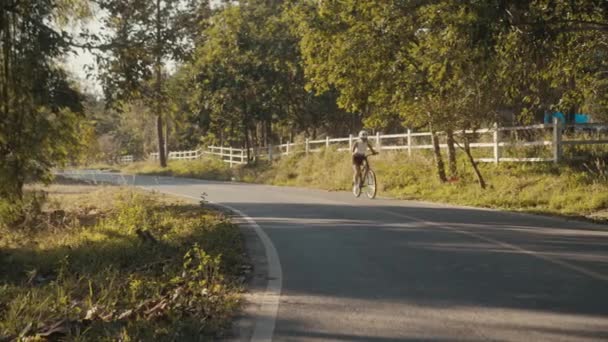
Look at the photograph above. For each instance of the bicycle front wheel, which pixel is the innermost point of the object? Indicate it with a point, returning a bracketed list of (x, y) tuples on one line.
[(370, 185), (357, 187)]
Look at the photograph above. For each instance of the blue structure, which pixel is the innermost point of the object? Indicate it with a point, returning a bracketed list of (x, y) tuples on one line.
[(578, 118)]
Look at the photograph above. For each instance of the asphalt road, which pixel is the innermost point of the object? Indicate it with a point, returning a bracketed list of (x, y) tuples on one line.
[(386, 270)]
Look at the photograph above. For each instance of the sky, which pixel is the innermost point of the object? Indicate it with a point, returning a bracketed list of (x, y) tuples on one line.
[(76, 63)]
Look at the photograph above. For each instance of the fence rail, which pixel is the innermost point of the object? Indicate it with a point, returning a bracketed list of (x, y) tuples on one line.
[(410, 141), (126, 159)]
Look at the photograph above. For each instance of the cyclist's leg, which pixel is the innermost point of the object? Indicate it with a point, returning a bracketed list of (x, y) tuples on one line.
[(365, 171), (356, 173)]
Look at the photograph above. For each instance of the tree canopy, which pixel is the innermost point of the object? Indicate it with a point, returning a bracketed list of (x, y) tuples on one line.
[(40, 108), (253, 72)]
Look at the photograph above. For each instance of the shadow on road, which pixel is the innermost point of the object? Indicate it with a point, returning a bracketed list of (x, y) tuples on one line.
[(467, 270), (363, 254)]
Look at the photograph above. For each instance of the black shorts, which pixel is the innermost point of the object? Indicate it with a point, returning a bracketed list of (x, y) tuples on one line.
[(358, 159)]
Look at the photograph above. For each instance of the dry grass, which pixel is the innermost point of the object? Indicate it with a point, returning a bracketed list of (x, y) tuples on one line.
[(576, 190), (113, 263)]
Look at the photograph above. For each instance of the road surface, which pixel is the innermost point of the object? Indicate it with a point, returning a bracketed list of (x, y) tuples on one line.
[(385, 270)]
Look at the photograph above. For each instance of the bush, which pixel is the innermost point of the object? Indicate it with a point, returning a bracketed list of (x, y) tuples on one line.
[(143, 268)]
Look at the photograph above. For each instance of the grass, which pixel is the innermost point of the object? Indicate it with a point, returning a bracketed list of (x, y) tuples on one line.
[(577, 190), (206, 168), (112, 263)]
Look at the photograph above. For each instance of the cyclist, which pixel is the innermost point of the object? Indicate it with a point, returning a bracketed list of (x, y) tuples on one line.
[(359, 149)]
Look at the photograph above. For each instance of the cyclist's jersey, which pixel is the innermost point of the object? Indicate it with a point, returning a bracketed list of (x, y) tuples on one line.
[(360, 147)]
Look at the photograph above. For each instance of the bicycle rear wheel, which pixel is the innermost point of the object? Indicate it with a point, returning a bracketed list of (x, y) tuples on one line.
[(370, 184)]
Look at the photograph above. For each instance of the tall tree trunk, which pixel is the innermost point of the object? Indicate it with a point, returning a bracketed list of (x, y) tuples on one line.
[(254, 137), (452, 166), (467, 151), (7, 43), (247, 144), (264, 133), (167, 130), (438, 159), (162, 153), (269, 130)]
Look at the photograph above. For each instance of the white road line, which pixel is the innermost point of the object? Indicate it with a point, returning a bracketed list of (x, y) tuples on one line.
[(269, 305), (265, 325), (556, 261), (535, 254), (539, 255)]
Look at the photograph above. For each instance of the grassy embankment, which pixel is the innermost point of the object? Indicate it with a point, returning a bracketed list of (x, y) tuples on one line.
[(112, 263), (570, 190)]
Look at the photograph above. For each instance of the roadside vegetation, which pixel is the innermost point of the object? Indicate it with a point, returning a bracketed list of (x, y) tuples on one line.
[(111, 263), (176, 75), (180, 74), (576, 190)]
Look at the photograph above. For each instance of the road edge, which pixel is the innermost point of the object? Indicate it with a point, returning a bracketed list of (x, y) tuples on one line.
[(258, 318)]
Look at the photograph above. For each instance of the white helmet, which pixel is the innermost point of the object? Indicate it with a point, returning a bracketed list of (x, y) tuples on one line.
[(363, 135)]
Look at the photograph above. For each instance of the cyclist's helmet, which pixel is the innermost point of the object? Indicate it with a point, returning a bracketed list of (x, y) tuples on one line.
[(363, 135)]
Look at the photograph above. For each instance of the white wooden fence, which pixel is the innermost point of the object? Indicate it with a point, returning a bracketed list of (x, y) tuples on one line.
[(550, 136), (230, 155), (125, 159)]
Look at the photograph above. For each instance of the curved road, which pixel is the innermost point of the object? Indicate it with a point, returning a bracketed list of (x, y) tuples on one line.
[(386, 270)]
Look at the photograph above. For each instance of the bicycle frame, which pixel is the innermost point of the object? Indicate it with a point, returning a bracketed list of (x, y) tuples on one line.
[(365, 167), (364, 175), (364, 170)]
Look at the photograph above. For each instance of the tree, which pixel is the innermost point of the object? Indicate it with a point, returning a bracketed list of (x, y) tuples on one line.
[(144, 36), (452, 65), (395, 58), (40, 108), (249, 83), (552, 57)]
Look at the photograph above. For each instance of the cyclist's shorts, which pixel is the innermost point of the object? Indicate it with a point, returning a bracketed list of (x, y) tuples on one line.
[(358, 159)]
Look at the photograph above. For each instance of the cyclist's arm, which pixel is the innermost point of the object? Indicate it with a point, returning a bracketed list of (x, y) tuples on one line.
[(354, 148), (371, 148)]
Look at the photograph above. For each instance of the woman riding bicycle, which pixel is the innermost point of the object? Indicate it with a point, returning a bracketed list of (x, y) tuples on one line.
[(359, 149)]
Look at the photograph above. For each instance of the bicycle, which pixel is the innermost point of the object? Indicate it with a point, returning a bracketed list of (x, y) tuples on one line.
[(368, 182)]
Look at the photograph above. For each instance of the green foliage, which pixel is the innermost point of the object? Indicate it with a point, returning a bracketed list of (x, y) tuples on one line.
[(456, 64), (142, 36), (246, 83), (99, 279), (40, 108)]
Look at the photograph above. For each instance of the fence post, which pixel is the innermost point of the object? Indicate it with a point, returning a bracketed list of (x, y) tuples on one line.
[(327, 141), (230, 156), (307, 148), (350, 143), (287, 153), (409, 142), (378, 141), (222, 152), (270, 152), (496, 144), (243, 156), (557, 140)]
